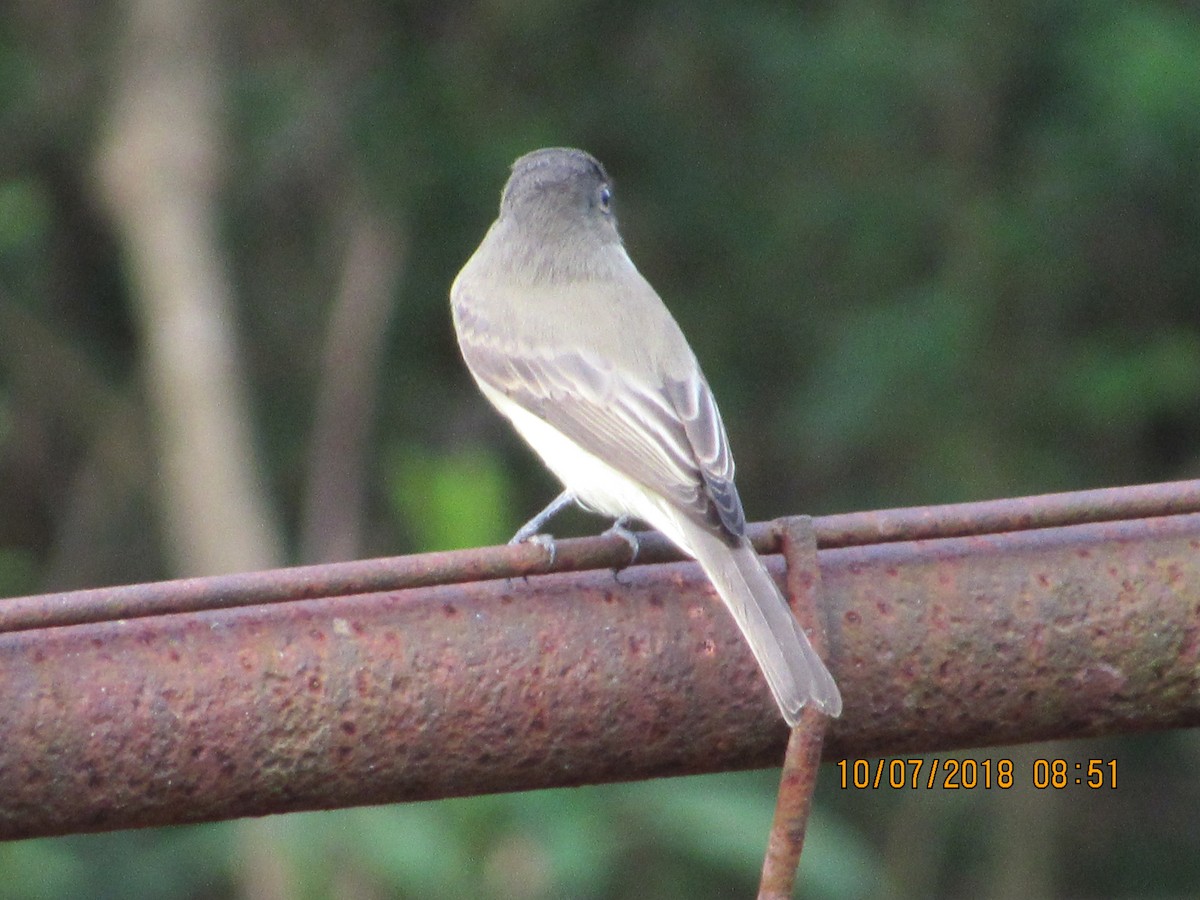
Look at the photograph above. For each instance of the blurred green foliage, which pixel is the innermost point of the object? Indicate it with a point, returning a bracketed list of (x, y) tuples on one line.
[(452, 499), (925, 252)]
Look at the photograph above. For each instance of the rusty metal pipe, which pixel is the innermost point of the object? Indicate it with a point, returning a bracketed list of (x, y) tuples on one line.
[(576, 678)]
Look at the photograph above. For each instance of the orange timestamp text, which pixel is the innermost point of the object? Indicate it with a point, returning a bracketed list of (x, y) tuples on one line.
[(967, 773)]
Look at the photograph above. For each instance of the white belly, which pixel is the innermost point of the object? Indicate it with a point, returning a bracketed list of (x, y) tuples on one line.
[(590, 480)]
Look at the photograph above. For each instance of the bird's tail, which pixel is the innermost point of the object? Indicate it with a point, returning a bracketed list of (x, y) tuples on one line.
[(791, 666)]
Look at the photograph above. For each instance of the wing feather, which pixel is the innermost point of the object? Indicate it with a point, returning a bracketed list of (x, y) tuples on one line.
[(667, 436)]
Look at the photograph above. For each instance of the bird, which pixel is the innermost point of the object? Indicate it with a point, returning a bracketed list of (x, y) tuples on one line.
[(570, 343)]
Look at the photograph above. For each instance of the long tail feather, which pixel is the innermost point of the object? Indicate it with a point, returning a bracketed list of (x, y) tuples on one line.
[(795, 673)]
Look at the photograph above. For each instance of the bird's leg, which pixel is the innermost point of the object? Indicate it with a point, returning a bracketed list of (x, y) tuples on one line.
[(530, 531)]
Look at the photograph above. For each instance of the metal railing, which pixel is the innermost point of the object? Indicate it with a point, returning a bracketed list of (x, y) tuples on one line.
[(478, 671)]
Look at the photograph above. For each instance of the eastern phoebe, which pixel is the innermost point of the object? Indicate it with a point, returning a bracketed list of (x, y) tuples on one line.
[(567, 339)]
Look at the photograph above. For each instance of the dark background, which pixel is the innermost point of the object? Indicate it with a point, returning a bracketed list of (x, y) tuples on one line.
[(926, 252)]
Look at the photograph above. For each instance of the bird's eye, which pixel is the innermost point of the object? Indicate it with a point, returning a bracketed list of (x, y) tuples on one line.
[(605, 198)]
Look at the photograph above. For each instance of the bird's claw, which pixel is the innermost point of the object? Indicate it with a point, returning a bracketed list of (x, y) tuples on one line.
[(545, 541), (629, 537)]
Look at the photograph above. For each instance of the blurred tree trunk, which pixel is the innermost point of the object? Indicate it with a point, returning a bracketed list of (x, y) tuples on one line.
[(336, 489), (159, 166)]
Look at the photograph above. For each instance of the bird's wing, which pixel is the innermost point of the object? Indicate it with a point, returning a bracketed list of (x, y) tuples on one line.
[(667, 436)]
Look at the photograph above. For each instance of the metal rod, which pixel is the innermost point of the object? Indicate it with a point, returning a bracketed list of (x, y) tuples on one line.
[(579, 677), (1014, 514), (801, 762), (455, 567)]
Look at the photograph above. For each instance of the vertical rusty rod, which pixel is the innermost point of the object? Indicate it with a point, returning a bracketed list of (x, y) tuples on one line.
[(798, 778)]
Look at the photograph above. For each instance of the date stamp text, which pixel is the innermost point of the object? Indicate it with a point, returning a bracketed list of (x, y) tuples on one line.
[(966, 773)]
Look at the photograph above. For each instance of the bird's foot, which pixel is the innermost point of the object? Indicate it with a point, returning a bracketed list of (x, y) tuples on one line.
[(545, 541), (629, 537)]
